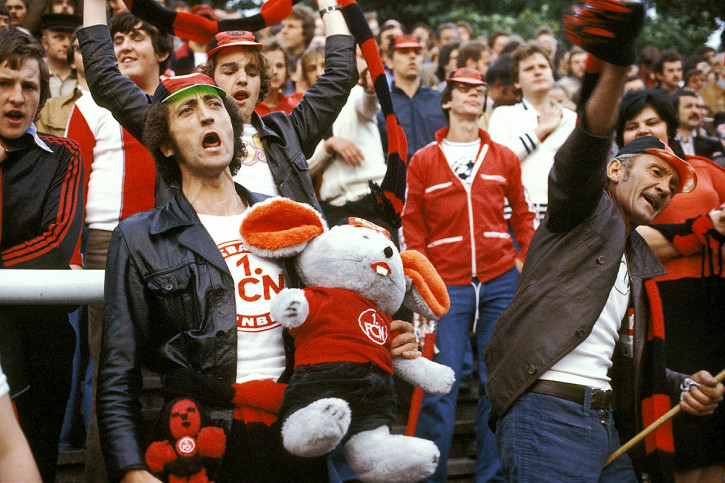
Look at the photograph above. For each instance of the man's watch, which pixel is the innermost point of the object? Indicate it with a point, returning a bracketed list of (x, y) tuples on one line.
[(328, 9)]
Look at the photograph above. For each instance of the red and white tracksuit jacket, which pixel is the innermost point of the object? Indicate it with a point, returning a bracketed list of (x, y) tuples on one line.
[(462, 230), (120, 172)]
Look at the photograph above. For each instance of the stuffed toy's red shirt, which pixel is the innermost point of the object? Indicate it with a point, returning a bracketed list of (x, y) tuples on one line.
[(342, 326)]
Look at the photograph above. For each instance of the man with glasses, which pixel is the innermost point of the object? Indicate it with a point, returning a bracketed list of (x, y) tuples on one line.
[(454, 215)]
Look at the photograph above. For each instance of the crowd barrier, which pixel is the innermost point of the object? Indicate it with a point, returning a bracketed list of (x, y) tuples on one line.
[(51, 287)]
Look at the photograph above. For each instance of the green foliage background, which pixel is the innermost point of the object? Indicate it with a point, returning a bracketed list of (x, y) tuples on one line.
[(680, 24)]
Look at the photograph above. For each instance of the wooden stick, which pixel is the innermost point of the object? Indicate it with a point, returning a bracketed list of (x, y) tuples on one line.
[(625, 447)]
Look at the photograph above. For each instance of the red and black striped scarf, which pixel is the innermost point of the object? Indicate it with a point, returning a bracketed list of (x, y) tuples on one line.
[(659, 445), (188, 26)]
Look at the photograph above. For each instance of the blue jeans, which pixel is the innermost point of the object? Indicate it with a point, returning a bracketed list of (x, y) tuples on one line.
[(438, 413), (545, 438)]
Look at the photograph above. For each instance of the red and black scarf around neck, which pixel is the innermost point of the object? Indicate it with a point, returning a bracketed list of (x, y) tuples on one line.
[(188, 26)]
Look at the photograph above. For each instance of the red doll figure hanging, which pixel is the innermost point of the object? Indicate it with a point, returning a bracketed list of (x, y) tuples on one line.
[(191, 450)]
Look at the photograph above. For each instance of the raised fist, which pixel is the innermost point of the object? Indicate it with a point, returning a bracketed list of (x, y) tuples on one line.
[(606, 29)]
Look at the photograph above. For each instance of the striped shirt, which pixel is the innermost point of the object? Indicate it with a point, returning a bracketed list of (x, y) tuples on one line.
[(120, 172)]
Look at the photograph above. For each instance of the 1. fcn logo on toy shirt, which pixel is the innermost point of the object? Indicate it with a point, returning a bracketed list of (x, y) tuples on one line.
[(373, 326)]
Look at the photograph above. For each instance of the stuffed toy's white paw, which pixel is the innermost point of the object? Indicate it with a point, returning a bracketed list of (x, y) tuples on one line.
[(316, 429), (378, 456), (430, 376), (289, 307)]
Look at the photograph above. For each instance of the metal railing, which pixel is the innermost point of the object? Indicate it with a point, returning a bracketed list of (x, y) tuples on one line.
[(51, 287)]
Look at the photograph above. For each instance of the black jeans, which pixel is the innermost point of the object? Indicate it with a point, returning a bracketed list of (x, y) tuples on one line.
[(46, 345)]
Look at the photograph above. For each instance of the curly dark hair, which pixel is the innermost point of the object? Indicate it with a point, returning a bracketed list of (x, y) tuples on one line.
[(262, 62), (16, 48), (669, 55), (156, 134)]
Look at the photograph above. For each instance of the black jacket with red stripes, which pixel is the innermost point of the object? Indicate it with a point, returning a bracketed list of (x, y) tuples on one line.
[(42, 202), (42, 216)]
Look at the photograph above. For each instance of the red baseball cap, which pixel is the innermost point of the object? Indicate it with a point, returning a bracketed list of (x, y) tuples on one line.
[(231, 38), (653, 145), (465, 75), (173, 88), (408, 41)]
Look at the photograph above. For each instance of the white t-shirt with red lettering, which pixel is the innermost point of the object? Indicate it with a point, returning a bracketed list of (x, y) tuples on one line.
[(260, 348)]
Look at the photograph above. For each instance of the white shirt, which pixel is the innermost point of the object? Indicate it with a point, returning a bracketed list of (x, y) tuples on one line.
[(514, 126), (122, 173), (688, 144), (461, 157), (589, 362), (200, 58), (342, 183), (254, 173), (4, 388), (260, 347)]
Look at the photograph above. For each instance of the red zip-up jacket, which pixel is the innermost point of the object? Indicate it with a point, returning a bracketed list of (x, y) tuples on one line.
[(462, 230)]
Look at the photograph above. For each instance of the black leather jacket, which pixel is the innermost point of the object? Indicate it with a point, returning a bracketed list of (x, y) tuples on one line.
[(570, 268), (288, 140)]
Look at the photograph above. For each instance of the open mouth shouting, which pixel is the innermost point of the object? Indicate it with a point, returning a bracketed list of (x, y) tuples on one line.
[(15, 115), (211, 141), (15, 118), (652, 201)]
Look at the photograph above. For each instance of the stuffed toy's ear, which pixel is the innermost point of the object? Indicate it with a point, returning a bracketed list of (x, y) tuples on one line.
[(425, 292), (280, 228)]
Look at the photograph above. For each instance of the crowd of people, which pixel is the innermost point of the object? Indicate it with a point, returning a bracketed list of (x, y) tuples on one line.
[(571, 195)]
